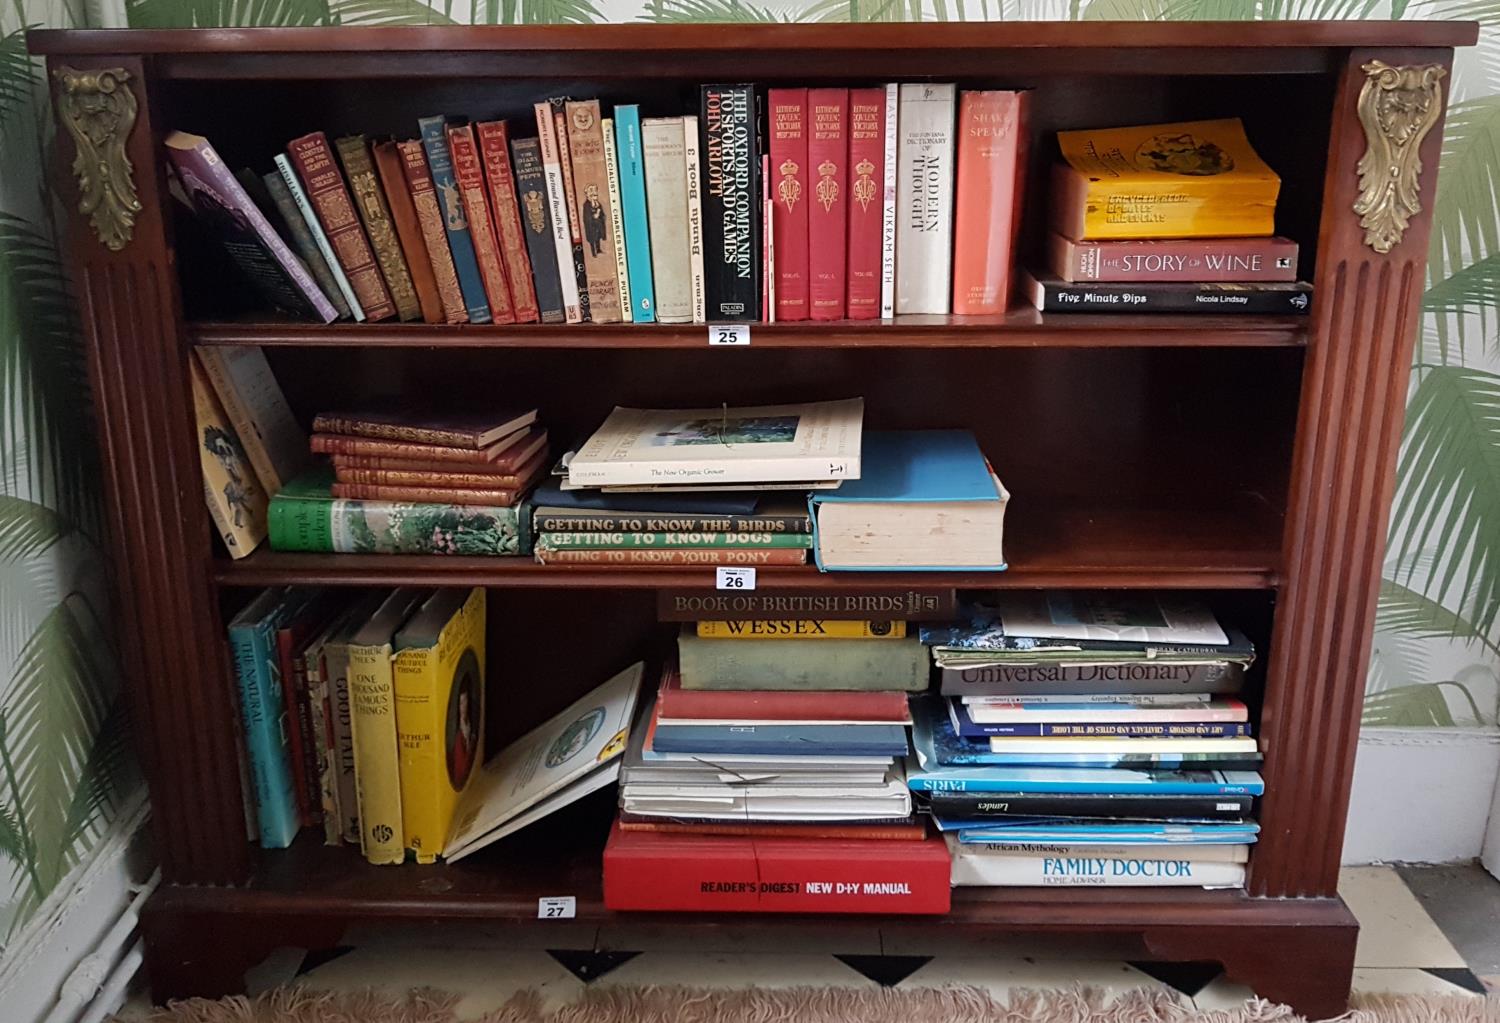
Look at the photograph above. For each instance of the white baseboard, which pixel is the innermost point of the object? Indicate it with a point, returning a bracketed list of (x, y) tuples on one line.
[(1421, 795)]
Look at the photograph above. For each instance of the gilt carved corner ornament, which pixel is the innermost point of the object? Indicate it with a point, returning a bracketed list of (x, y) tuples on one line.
[(98, 109), (1398, 107)]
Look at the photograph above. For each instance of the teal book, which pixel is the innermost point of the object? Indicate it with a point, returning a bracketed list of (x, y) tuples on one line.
[(455, 221), (633, 199)]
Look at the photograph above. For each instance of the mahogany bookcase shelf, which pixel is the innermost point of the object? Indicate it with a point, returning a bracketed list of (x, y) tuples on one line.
[(1249, 457)]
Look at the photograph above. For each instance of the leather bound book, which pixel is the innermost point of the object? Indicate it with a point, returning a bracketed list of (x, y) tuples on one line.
[(424, 202), (591, 201), (325, 189), (502, 458), (536, 225), (559, 107), (354, 154), (426, 495), (827, 214), (789, 192), (346, 446), (494, 152), (455, 219), (469, 173), (992, 145), (866, 200), (408, 230)]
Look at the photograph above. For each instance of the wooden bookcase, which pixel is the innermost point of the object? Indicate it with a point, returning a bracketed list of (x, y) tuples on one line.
[(1250, 459)]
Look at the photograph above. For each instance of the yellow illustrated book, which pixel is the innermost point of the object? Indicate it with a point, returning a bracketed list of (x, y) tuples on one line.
[(439, 679), (802, 628), (1192, 179), (236, 500)]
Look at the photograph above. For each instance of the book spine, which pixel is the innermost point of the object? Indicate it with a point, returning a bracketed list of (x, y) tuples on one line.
[(494, 150), (788, 119), (690, 540), (841, 664), (828, 213), (330, 423), (261, 707), (455, 221), (468, 173), (557, 205), (591, 205), (377, 753), (342, 526), (505, 464), (354, 155), (1197, 853), (571, 521), (1061, 297), (731, 201), (992, 138), (408, 231), (330, 199), (425, 495), (302, 237), (1131, 729), (419, 734), (662, 143), (617, 218), (323, 750), (404, 478), (633, 203), (692, 168), (339, 444), (559, 110), (801, 628), (536, 226), (336, 678), (790, 468), (866, 205), (924, 199), (319, 236), (767, 243), (298, 728), (1086, 869), (912, 605), (434, 233), (753, 829), (1143, 703), (1197, 785), (890, 138), (676, 556), (962, 805), (1206, 260)]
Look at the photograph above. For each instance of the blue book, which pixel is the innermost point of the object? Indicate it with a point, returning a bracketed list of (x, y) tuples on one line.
[(728, 503), (1102, 832), (783, 740), (1103, 781), (455, 221), (928, 475), (968, 728), (633, 203)]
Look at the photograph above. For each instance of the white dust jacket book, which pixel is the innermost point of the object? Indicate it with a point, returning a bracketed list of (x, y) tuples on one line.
[(1115, 617), (666, 213), (763, 444), (616, 216), (557, 206), (1197, 853), (257, 409), (1101, 871), (924, 198), (888, 209), (693, 173)]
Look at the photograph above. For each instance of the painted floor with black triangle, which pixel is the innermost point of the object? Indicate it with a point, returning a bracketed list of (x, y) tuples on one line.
[(1402, 948)]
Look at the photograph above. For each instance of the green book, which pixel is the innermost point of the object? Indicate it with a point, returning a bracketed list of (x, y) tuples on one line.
[(665, 541), (898, 665), (305, 516)]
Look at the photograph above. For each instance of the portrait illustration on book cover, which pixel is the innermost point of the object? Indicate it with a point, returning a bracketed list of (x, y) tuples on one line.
[(225, 447), (465, 705)]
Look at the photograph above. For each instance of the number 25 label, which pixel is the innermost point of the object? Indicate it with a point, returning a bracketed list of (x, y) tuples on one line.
[(728, 335)]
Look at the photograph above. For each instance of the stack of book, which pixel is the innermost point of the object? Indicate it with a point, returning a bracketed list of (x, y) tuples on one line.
[(1089, 739), (1166, 218)]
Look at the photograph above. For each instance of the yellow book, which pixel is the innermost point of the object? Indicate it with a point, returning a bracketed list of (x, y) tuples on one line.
[(372, 723), (1193, 179), (439, 713), (802, 628), (236, 500)]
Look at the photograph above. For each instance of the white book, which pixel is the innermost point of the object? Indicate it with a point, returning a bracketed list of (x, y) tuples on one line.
[(258, 410), (1089, 869), (557, 206), (1134, 700), (761, 444), (1110, 744), (692, 170), (1116, 617), (616, 216), (924, 195), (1106, 713), (888, 212), (310, 218), (666, 212), (1201, 853)]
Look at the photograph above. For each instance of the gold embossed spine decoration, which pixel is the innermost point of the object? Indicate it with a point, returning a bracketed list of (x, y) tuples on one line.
[(1397, 107), (98, 109)]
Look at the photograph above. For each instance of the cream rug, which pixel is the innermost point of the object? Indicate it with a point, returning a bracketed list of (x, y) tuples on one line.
[(607, 1004)]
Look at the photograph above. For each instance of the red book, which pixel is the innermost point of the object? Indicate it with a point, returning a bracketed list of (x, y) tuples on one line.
[(866, 200), (468, 172), (992, 141), (516, 450), (827, 216), (788, 121), (674, 703), (291, 640), (716, 874), (494, 151)]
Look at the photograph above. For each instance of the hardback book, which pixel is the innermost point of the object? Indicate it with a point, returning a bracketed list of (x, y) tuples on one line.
[(309, 663), (788, 124), (763, 444), (220, 202), (1117, 617), (439, 698), (1173, 259), (554, 764), (866, 202), (311, 614), (263, 421), (674, 605), (345, 447), (558, 107), (800, 628), (433, 222), (616, 218), (320, 237), (302, 239), (767, 243), (828, 211), (305, 516), (730, 151), (369, 199), (968, 728), (782, 739), (436, 476), (558, 217), (455, 217), (237, 502), (692, 170), (473, 431), (494, 152), (334, 669), (993, 137), (1003, 848), (548, 555), (591, 198), (1192, 179), (252, 641), (1054, 295), (502, 458), (1116, 781), (536, 224), (900, 831), (377, 747), (424, 493), (926, 499), (665, 540), (330, 198), (802, 664), (632, 164), (1143, 676), (889, 213), (981, 805), (1103, 709), (663, 143), (716, 874), (675, 703), (924, 198), (468, 173), (785, 515), (1086, 832), (770, 801), (408, 230), (1055, 871), (1111, 744)]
